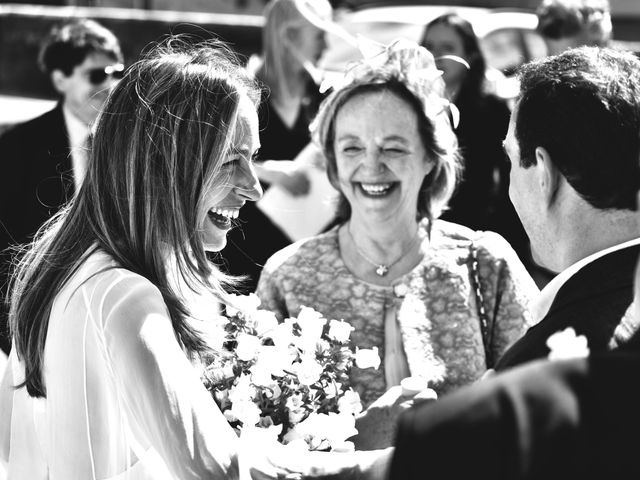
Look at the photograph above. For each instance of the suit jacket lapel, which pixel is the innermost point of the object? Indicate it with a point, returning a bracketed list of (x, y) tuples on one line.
[(609, 273)]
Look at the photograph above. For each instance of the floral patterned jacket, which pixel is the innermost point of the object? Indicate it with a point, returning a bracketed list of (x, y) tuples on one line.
[(437, 311)]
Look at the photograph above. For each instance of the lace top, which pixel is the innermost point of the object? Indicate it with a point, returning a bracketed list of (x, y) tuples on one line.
[(436, 309), (123, 400)]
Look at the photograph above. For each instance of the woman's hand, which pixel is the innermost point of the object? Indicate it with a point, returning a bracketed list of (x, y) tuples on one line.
[(377, 425), (371, 465)]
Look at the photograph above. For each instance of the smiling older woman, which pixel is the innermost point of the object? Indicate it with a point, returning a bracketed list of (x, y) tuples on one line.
[(438, 300)]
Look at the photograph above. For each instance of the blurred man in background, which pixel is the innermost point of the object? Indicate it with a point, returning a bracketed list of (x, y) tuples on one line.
[(43, 161)]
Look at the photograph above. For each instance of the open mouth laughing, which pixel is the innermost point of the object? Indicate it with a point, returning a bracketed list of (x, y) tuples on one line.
[(222, 217), (376, 190)]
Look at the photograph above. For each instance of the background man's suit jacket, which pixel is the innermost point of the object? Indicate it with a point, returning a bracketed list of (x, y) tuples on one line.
[(572, 419), (35, 181), (593, 301)]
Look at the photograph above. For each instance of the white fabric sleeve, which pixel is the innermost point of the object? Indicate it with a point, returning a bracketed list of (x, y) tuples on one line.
[(163, 395)]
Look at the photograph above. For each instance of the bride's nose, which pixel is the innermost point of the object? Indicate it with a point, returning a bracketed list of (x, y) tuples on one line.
[(247, 184)]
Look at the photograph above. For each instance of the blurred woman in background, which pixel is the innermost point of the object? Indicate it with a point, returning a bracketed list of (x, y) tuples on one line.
[(293, 42), (481, 201)]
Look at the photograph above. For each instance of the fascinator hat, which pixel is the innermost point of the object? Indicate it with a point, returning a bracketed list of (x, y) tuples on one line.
[(409, 71)]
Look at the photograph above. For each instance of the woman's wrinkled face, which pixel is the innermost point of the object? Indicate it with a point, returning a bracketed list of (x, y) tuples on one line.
[(443, 40), (223, 202), (380, 157)]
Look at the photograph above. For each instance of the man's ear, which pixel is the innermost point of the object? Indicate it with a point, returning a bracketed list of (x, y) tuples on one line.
[(59, 81), (547, 174)]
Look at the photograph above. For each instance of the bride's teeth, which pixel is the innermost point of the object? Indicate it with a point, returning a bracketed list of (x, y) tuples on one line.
[(229, 213)]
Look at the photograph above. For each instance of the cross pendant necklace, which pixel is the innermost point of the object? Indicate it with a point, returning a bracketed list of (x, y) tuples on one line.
[(382, 269)]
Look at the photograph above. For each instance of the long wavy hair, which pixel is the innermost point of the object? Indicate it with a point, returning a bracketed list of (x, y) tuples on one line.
[(157, 149)]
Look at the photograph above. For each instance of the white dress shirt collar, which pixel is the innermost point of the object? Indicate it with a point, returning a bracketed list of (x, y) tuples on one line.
[(78, 136), (540, 306)]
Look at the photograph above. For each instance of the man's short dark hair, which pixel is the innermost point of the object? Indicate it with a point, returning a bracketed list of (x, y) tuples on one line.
[(68, 45), (583, 107)]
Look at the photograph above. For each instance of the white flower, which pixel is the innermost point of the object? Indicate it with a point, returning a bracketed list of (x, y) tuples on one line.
[(308, 370), (339, 331), (367, 357), (274, 360), (265, 321), (282, 335), (294, 401), (339, 427), (242, 390), (295, 408), (245, 411), (296, 416), (248, 346), (293, 440), (273, 392), (333, 427), (261, 377), (350, 402), (311, 323), (566, 344), (245, 304)]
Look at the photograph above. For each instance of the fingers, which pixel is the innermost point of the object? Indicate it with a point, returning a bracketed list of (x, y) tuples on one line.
[(427, 395)]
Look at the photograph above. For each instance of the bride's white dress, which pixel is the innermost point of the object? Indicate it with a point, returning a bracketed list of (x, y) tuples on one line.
[(123, 401)]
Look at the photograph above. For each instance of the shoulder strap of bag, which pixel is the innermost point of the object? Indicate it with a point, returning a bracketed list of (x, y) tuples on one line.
[(474, 271)]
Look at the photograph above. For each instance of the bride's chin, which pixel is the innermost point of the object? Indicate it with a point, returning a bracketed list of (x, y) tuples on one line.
[(215, 244), (213, 248)]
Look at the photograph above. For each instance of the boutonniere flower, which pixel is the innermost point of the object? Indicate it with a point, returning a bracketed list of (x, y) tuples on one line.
[(367, 357), (566, 344)]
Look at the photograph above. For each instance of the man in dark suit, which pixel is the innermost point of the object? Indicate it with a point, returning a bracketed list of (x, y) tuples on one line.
[(544, 420), (43, 160), (574, 149)]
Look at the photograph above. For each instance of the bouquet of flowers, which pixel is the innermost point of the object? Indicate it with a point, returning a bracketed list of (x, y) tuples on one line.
[(289, 377)]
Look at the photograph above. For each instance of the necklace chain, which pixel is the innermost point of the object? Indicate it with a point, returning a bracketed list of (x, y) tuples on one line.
[(382, 268)]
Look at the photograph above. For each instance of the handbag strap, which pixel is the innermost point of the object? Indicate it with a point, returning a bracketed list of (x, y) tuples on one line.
[(482, 313)]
